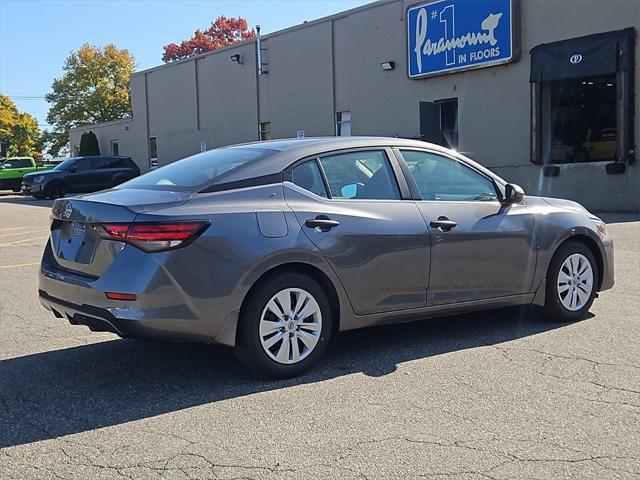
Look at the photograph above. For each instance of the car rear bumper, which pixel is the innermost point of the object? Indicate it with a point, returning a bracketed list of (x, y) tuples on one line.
[(97, 319), (159, 311)]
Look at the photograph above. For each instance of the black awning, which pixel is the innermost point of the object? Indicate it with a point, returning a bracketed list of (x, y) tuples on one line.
[(593, 55)]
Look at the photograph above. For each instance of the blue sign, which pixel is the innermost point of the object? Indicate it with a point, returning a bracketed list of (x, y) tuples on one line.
[(450, 35)]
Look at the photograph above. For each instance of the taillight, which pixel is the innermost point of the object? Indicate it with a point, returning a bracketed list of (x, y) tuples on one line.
[(152, 237), (125, 297)]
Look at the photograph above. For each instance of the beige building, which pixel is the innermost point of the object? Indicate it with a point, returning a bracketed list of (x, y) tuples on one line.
[(530, 117)]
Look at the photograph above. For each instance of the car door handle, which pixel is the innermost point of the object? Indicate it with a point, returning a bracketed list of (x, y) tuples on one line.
[(443, 223), (322, 223)]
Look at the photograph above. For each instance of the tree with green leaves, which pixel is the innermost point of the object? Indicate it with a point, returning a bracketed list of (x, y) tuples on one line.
[(93, 89), (19, 132)]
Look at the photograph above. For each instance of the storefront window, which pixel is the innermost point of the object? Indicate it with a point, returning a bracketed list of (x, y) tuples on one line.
[(580, 120), (582, 100), (265, 131), (153, 148), (343, 124)]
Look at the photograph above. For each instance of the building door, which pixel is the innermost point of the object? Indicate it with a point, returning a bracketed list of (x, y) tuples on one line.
[(439, 122)]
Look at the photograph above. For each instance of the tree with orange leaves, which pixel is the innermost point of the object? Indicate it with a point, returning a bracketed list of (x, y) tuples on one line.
[(224, 31)]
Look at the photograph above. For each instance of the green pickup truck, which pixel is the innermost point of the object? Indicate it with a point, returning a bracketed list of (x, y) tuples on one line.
[(12, 170)]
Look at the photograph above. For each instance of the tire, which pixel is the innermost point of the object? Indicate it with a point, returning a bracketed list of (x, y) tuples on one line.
[(39, 196), (571, 283), (55, 190), (16, 190), (266, 344)]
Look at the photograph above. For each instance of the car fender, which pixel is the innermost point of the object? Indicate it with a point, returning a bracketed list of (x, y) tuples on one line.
[(49, 181), (559, 227)]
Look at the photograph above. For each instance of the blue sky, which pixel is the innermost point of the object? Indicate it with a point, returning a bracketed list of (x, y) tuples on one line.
[(37, 35)]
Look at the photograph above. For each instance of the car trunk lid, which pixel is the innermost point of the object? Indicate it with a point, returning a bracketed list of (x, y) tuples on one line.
[(76, 244)]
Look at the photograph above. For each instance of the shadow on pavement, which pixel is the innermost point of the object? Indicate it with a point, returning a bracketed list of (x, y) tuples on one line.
[(24, 200), (56, 393), (619, 217)]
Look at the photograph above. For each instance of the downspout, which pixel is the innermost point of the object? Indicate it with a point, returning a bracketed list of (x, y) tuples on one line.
[(258, 74)]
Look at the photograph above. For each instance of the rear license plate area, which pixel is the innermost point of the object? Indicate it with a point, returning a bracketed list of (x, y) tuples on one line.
[(73, 242)]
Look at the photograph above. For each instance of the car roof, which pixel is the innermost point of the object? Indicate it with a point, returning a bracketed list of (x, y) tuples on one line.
[(286, 151), (99, 156), (322, 144)]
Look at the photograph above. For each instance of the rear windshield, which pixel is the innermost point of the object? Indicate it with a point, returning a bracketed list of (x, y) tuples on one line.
[(199, 171)]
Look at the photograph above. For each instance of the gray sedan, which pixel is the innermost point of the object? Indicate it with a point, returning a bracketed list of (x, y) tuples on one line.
[(274, 247)]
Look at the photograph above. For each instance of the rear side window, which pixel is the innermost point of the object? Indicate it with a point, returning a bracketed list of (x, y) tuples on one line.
[(364, 175), (307, 176), (18, 163), (84, 164), (200, 170), (100, 163), (116, 163)]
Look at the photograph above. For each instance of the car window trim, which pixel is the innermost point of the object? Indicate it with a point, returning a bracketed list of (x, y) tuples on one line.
[(287, 175), (407, 172), (269, 179), (325, 181)]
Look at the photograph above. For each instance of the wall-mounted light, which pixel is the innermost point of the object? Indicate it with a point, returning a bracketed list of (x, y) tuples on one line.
[(236, 58), (388, 65)]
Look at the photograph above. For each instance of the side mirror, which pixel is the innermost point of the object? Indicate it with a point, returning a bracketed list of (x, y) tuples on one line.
[(513, 193), (73, 168), (349, 191)]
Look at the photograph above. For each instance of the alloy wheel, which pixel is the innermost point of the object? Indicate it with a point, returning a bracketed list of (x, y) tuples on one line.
[(575, 282), (290, 325)]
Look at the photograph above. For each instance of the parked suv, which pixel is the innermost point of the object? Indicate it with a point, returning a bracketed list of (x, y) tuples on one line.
[(80, 175)]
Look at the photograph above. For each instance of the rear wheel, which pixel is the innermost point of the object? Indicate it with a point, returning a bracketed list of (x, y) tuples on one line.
[(55, 190), (572, 280), (285, 326)]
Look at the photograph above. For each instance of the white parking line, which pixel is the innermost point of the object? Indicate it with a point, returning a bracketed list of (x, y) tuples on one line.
[(18, 233), (20, 265), (11, 229), (21, 243)]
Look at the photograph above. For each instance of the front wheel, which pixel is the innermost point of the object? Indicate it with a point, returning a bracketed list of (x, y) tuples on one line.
[(572, 280), (55, 190), (285, 326)]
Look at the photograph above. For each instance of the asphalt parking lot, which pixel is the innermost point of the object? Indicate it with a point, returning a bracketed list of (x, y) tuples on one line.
[(497, 395)]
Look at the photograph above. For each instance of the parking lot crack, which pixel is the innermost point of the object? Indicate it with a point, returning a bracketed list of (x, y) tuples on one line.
[(506, 350)]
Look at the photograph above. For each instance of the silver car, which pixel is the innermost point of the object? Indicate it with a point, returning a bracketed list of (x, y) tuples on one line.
[(273, 247)]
